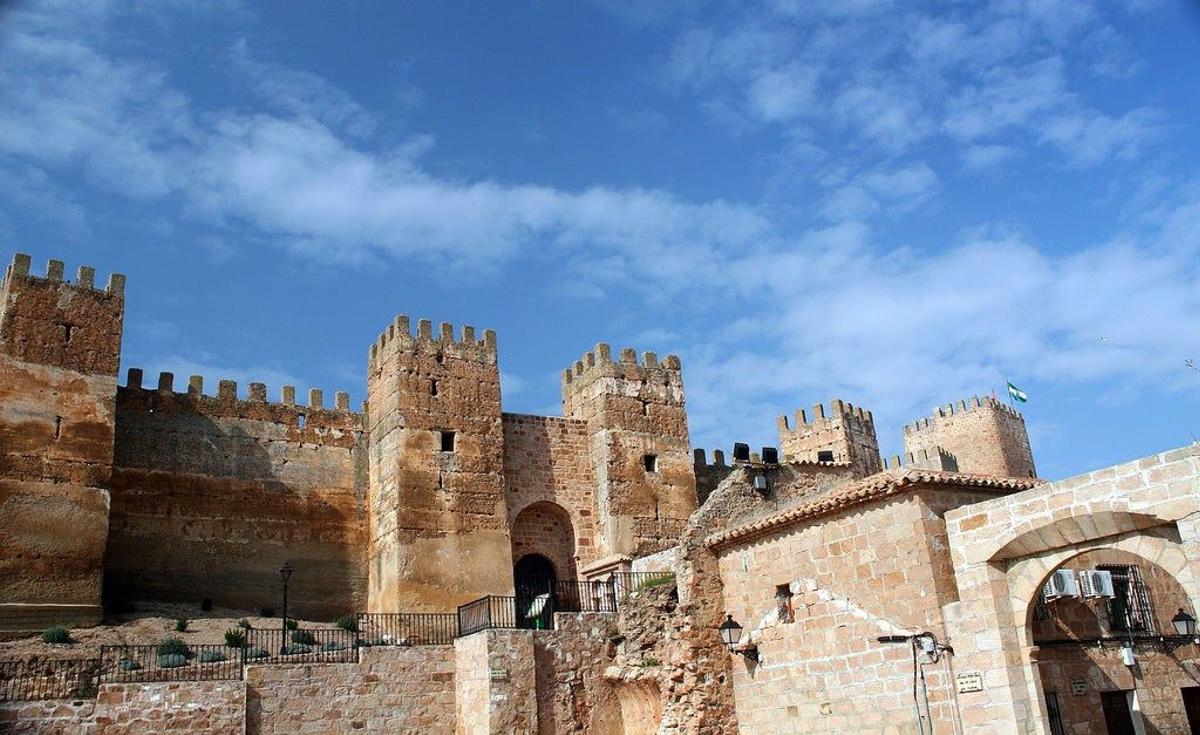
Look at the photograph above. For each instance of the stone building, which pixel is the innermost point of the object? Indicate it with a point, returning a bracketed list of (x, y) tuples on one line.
[(948, 590)]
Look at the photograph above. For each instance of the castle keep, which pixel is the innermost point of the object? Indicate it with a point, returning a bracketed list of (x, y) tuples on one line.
[(934, 591)]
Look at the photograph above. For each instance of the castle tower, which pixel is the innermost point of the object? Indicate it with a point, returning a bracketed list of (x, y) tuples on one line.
[(60, 345), (847, 434), (639, 443), (984, 436), (438, 524)]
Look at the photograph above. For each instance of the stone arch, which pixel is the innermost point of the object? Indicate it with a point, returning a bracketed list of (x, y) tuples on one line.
[(544, 528), (1075, 529)]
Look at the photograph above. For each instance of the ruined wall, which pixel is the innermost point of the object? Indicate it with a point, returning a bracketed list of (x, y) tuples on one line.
[(572, 695), (646, 486), (438, 520), (984, 435), (546, 460), (213, 494), (59, 349), (708, 476), (393, 690), (848, 432)]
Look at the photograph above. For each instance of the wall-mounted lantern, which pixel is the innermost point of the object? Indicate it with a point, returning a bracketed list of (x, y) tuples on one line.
[(731, 634)]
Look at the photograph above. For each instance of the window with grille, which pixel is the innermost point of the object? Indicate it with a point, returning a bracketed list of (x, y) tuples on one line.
[(783, 603), (1129, 609)]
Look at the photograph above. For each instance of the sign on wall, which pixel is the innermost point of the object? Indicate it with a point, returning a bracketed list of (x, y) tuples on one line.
[(972, 682), (1079, 686)]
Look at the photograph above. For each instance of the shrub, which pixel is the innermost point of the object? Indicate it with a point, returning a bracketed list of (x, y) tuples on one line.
[(303, 637), (172, 647), (244, 624), (333, 646), (171, 661), (235, 638), (206, 604), (291, 624), (211, 657), (266, 612), (255, 652), (297, 648), (656, 581), (348, 622), (56, 634), (128, 664), (648, 662), (181, 625)]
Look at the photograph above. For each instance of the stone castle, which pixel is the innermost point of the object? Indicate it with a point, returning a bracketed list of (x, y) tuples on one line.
[(428, 497), (815, 587)]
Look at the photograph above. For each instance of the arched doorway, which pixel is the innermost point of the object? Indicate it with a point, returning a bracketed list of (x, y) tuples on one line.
[(533, 574), (1078, 637), (543, 530)]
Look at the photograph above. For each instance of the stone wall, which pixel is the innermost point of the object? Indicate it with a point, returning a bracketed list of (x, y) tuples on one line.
[(546, 460), (439, 532), (1004, 549), (983, 435), (813, 597), (545, 529), (59, 349), (213, 494), (389, 690), (847, 433), (572, 695), (495, 684), (206, 707)]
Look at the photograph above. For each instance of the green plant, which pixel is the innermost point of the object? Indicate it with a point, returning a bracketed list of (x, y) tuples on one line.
[(171, 661), (656, 581), (291, 624), (181, 625), (56, 634), (297, 648), (235, 638), (211, 657), (245, 624), (172, 647), (128, 664), (348, 622), (333, 646), (303, 637), (648, 662), (255, 652)]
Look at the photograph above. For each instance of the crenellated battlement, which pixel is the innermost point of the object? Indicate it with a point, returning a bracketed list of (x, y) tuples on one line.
[(839, 411), (313, 417), (398, 337), (599, 363), (85, 277), (960, 407), (933, 458)]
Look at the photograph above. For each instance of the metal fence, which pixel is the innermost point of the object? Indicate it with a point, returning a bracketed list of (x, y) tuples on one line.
[(573, 596), (626, 582), (48, 679), (407, 629), (169, 661), (527, 612), (315, 645)]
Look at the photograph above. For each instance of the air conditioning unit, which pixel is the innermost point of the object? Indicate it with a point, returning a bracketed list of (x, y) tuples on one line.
[(1095, 583), (1061, 584)]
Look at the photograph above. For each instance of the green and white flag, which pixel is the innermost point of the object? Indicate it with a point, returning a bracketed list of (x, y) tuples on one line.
[(1017, 393)]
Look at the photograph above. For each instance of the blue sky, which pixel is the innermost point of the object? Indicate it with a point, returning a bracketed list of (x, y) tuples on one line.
[(895, 203)]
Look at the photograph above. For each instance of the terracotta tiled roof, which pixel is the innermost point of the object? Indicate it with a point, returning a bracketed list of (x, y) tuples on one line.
[(879, 485)]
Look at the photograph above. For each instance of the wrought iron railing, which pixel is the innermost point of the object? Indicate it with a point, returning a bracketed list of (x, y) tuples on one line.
[(303, 646), (407, 629), (174, 661), (578, 596), (48, 679), (527, 612)]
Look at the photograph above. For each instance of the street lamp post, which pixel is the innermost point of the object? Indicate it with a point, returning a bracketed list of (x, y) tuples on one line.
[(285, 573)]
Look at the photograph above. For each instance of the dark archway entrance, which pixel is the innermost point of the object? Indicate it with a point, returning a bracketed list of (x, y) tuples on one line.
[(533, 575)]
